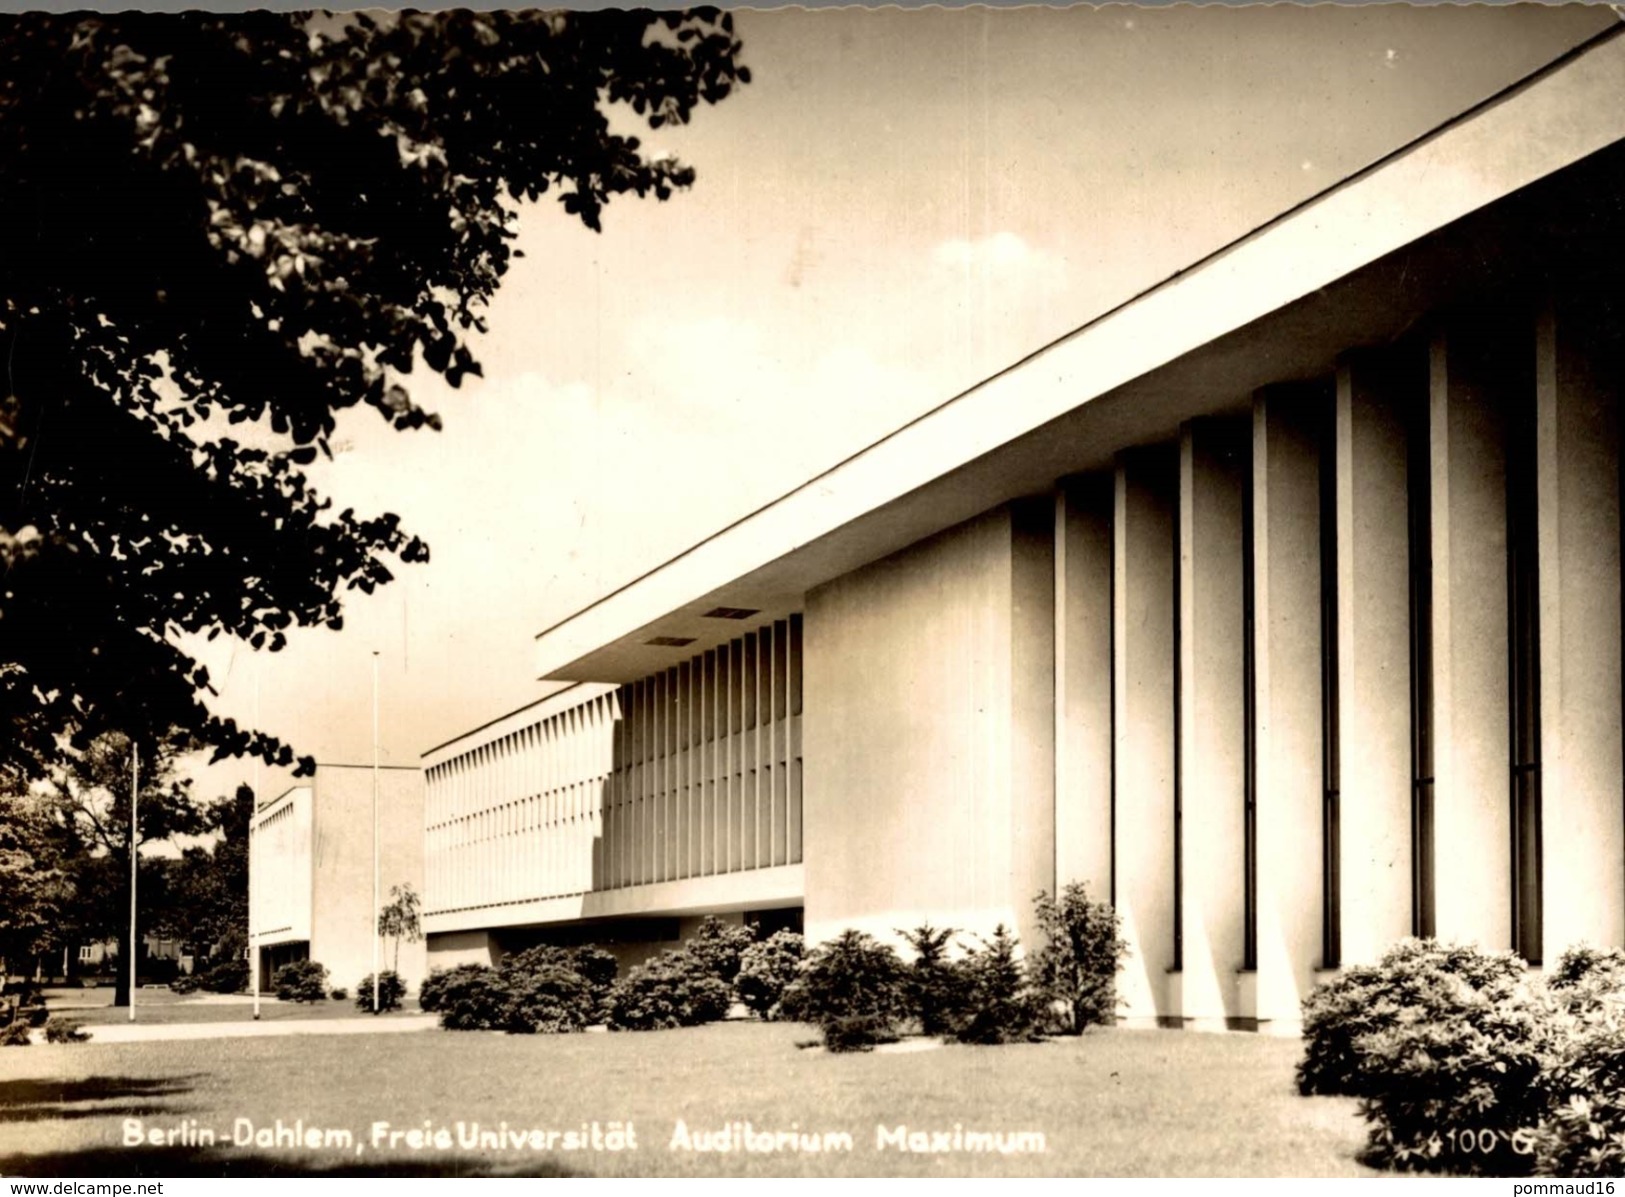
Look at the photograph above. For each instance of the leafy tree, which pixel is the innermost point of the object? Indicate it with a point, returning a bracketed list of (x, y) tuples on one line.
[(33, 886), (209, 884), (216, 232), (1082, 952), (89, 795), (399, 920)]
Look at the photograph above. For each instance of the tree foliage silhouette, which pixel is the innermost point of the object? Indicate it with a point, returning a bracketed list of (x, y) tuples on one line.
[(217, 232)]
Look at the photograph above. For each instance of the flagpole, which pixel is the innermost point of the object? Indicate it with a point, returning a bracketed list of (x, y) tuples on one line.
[(253, 817), (135, 789), (375, 934)]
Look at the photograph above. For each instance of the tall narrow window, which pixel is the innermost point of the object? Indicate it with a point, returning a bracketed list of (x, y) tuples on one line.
[(1523, 675), (1331, 937), (1419, 504)]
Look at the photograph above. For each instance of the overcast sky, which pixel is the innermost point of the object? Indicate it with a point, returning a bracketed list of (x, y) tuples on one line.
[(901, 203)]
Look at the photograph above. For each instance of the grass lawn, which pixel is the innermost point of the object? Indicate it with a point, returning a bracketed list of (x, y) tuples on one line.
[(94, 1007), (1111, 1103)]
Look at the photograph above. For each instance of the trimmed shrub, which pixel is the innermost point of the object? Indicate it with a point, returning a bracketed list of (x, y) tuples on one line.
[(340, 994), (544, 990), (546, 1000), (1457, 1084), (935, 985), (1000, 1006), (301, 981), (598, 969), (228, 976), (1082, 952), (858, 1032), (1584, 1131), (793, 1002), (549, 999), (717, 947), (61, 1030), (14, 1034), (1585, 979), (185, 983), (766, 969), (1367, 999), (855, 989), (674, 989), (471, 997), (434, 985), (391, 989)]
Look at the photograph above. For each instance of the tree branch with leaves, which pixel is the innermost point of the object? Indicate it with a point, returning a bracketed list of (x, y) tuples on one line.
[(217, 232)]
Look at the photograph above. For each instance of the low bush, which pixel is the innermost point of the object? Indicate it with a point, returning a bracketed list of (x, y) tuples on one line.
[(855, 989), (340, 994), (858, 1032), (598, 969), (227, 976), (1412, 976), (674, 989), (717, 947), (1581, 963), (301, 981), (546, 999), (14, 1034), (61, 1030), (766, 969), (391, 989), (1458, 1082), (1584, 1131), (430, 993), (549, 999), (1081, 953), (1000, 1006), (185, 983), (543, 990), (471, 997), (793, 1003), (33, 1016)]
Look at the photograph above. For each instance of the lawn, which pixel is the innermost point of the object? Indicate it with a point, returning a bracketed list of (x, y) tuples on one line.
[(94, 1007), (1111, 1103)]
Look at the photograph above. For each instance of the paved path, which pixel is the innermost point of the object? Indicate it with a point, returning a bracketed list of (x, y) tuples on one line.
[(393, 1024)]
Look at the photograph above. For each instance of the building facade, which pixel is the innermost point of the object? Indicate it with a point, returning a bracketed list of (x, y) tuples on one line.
[(311, 866), (1281, 605)]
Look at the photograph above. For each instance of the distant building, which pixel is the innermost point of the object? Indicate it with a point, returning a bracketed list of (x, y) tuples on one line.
[(312, 871), (1281, 605)]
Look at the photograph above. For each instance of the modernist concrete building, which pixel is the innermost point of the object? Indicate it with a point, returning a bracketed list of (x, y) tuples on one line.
[(1281, 604), (312, 875)]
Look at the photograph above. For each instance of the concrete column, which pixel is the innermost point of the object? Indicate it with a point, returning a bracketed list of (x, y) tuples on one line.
[(1143, 722), (1373, 637), (1032, 709), (1288, 735), (1577, 471), (1213, 463), (929, 723), (1083, 684), (1473, 375)]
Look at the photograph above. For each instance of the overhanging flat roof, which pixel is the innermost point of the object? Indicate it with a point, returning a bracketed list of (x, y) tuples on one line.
[(1357, 264)]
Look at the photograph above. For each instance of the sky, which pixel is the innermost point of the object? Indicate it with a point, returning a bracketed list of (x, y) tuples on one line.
[(901, 203)]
